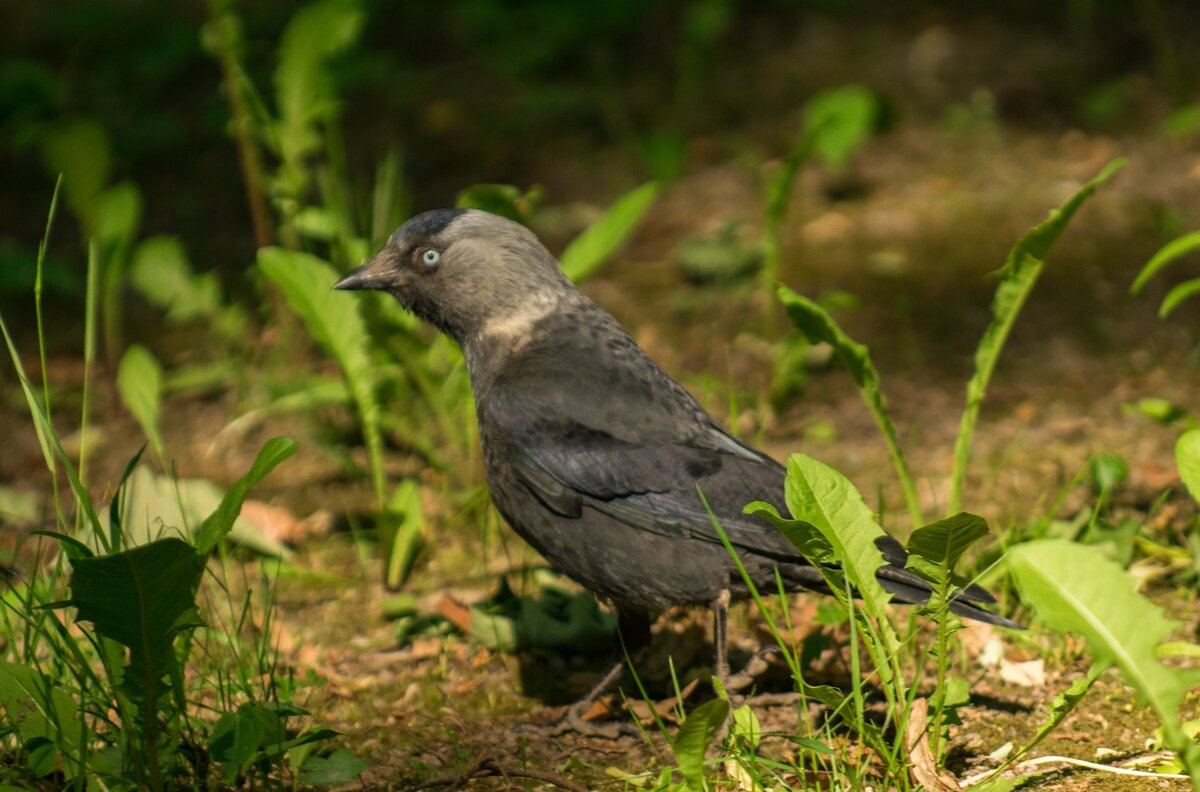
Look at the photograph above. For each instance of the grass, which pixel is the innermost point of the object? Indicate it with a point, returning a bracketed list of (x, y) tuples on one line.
[(154, 680)]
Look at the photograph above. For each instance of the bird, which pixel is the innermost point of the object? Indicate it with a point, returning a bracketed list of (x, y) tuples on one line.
[(593, 454)]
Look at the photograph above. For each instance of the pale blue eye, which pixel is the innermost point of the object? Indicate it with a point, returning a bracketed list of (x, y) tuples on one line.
[(430, 257)]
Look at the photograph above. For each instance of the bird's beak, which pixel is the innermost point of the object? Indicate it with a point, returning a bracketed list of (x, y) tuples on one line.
[(374, 275)]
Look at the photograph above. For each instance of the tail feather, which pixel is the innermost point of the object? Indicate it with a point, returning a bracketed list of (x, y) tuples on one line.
[(915, 591), (907, 587)]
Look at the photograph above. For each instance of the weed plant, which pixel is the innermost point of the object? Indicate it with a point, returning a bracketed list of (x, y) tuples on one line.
[(1072, 586), (132, 665)]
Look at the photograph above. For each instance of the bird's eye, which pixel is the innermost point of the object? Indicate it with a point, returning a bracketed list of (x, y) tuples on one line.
[(430, 257)]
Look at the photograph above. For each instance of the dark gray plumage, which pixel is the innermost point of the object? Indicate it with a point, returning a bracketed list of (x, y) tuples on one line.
[(593, 453)]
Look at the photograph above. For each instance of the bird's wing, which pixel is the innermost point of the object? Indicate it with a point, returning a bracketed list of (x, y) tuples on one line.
[(638, 449), (626, 439)]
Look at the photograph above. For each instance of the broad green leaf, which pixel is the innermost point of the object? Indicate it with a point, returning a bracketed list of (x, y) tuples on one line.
[(303, 87), (934, 549), (218, 524), (606, 234), (1187, 459), (998, 785), (692, 741), (1018, 276), (78, 149), (838, 121), (1175, 249), (317, 222), (1075, 588), (118, 213), (139, 382), (235, 740), (140, 598), (505, 200), (156, 506), (824, 498), (335, 323), (1158, 409), (816, 323), (804, 536), (36, 707), (745, 726), (338, 769), (1177, 295), (160, 272)]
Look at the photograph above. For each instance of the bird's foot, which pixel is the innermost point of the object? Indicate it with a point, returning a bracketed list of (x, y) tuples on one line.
[(574, 722)]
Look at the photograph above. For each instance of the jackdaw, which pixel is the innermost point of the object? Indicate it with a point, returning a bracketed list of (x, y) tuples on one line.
[(593, 453)]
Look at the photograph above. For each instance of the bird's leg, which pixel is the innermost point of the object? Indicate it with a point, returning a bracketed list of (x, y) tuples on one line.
[(733, 683), (720, 611), (634, 630)]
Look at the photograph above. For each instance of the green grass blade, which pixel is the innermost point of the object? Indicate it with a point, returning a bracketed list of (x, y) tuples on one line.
[(89, 353), (1177, 295), (1017, 278), (218, 524), (1076, 588), (51, 447), (1176, 248), (336, 324), (600, 240), (816, 323)]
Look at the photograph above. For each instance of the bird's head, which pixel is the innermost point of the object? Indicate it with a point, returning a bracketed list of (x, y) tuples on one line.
[(472, 274)]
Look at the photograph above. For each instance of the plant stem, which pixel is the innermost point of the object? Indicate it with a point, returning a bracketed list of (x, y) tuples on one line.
[(226, 41)]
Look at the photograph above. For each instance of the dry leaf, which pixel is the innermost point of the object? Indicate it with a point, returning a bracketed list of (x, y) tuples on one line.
[(454, 612), (1031, 673), (924, 769)]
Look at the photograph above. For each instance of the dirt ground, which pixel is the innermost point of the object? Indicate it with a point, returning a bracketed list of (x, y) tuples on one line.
[(935, 207)]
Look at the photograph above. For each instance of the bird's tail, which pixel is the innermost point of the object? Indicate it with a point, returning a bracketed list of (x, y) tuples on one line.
[(907, 587)]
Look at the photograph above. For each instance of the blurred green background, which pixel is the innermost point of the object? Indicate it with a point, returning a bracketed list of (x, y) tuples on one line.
[(583, 98)]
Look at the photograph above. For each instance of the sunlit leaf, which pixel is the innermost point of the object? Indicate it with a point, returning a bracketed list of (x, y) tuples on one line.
[(934, 549), (334, 321), (118, 213), (218, 524), (1187, 459), (139, 382), (78, 149), (606, 234), (1075, 588), (161, 273), (815, 322), (1018, 276), (838, 121), (693, 739)]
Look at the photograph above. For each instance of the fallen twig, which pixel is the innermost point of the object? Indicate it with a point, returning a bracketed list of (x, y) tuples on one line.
[(489, 768), (1029, 764)]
